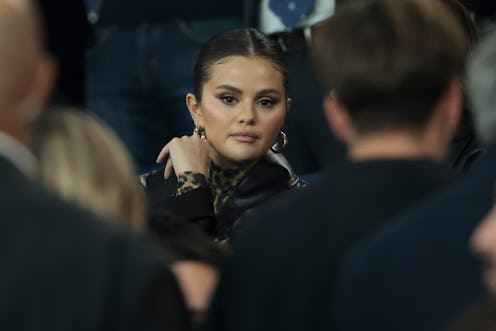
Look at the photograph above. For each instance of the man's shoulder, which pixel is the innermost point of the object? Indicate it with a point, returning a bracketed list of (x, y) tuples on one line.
[(49, 223)]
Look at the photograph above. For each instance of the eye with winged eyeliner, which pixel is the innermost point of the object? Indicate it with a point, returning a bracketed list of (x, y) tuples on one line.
[(266, 98)]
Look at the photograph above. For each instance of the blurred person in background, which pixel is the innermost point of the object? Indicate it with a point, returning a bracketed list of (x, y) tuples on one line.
[(420, 261), (83, 161), (62, 267), (481, 316)]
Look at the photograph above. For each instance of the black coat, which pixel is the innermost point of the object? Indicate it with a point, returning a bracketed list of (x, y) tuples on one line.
[(268, 178), (420, 264), (282, 272), (63, 269)]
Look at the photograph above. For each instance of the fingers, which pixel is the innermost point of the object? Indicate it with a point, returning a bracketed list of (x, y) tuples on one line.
[(164, 153), (187, 153), (168, 168)]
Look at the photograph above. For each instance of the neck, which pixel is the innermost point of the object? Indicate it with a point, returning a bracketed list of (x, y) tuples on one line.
[(17, 133), (401, 144)]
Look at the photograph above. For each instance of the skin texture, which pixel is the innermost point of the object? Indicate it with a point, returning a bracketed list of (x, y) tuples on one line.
[(242, 110), (429, 141), (197, 281), (483, 243), (27, 73)]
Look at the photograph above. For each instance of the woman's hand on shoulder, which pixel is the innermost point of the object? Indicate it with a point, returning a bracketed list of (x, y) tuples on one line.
[(188, 153)]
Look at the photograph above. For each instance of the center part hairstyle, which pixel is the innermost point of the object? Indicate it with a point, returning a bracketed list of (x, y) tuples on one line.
[(236, 42), (389, 61)]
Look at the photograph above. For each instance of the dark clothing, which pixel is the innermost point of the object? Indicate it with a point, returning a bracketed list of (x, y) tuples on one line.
[(420, 264), (269, 177), (282, 272), (482, 8), (130, 12), (464, 150), (480, 317), (68, 35), (63, 269)]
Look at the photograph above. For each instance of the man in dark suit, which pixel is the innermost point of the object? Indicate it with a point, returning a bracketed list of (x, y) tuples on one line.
[(417, 272), (395, 101), (61, 267)]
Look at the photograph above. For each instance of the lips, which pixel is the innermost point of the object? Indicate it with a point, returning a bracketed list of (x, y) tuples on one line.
[(245, 137)]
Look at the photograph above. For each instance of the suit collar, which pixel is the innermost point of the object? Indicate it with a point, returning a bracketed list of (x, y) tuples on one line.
[(17, 154)]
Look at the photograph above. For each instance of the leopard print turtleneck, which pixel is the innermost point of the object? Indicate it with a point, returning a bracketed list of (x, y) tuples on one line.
[(222, 183)]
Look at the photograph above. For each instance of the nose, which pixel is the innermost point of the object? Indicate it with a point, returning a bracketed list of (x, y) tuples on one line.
[(247, 114)]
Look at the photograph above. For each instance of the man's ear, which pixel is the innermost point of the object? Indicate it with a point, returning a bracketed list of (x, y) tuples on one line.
[(42, 88), (338, 118), (46, 78), (448, 110), (195, 109)]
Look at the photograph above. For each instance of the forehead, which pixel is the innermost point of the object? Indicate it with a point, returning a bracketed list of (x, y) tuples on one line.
[(237, 70)]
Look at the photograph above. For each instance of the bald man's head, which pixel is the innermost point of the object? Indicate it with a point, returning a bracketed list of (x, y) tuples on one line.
[(26, 77)]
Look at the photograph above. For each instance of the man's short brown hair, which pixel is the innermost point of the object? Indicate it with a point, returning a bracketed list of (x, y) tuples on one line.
[(389, 61)]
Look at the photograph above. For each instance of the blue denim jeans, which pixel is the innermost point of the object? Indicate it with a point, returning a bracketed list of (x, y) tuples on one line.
[(137, 78)]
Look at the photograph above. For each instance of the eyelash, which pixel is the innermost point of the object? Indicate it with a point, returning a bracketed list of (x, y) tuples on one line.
[(224, 98), (230, 100), (270, 102)]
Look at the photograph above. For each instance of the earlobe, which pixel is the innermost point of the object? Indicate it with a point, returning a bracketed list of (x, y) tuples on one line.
[(289, 104)]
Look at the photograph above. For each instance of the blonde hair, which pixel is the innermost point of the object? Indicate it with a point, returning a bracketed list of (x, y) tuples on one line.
[(85, 162)]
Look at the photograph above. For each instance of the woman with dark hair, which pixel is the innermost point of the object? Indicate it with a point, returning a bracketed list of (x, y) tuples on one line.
[(231, 162)]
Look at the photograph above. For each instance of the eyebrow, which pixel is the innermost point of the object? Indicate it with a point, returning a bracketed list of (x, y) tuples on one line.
[(229, 88), (267, 91), (237, 90)]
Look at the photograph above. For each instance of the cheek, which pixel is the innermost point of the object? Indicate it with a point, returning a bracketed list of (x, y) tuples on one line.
[(274, 125), (213, 119)]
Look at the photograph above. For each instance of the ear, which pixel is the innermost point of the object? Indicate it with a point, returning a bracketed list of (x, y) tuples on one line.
[(449, 108), (289, 104), (41, 90), (338, 118), (195, 109)]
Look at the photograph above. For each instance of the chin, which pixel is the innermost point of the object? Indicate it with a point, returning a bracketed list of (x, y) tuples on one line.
[(244, 159), (244, 156)]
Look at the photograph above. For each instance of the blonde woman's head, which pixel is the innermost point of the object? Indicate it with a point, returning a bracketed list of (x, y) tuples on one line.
[(85, 162)]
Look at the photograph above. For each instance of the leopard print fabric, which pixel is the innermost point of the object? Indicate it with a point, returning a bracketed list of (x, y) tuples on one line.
[(222, 183), (188, 181)]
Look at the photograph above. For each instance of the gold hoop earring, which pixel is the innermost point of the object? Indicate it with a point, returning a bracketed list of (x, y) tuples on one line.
[(201, 132), (278, 147)]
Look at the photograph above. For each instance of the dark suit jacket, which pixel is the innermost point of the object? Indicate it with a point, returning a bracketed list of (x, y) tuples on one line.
[(63, 269), (68, 35), (420, 265), (281, 274)]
